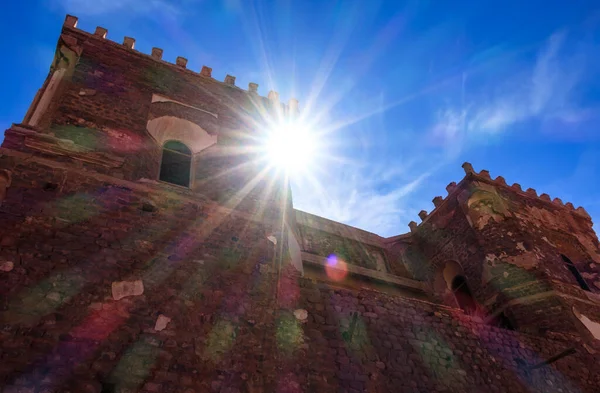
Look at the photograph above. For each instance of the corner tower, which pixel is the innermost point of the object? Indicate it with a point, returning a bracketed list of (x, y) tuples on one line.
[(516, 259)]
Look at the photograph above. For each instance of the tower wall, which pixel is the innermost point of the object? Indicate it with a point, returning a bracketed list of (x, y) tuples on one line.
[(107, 102), (508, 244)]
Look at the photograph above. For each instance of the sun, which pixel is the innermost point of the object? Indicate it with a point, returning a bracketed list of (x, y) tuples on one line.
[(291, 147)]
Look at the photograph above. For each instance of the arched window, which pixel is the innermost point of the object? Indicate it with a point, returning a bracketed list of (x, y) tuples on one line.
[(176, 163), (463, 294), (503, 322), (575, 273)]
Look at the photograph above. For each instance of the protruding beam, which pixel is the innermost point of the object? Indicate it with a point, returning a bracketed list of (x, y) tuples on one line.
[(437, 201), (468, 168), (570, 205), (206, 71), (500, 180), (253, 87), (517, 187), (71, 21), (545, 197), (157, 53), (181, 61), (423, 214), (100, 32), (129, 42), (531, 192), (230, 80)]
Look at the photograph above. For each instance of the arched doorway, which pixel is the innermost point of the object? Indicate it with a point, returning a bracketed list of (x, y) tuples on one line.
[(451, 285), (462, 294)]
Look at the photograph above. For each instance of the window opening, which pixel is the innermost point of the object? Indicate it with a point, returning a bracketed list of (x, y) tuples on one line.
[(463, 295), (503, 322), (176, 164), (575, 273)]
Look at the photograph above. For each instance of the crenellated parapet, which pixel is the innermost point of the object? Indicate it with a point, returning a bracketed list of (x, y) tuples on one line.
[(499, 181), (156, 54)]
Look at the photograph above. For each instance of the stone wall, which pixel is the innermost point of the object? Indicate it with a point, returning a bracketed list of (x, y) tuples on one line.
[(523, 237), (538, 231), (508, 244), (444, 236), (324, 237), (399, 344), (214, 315), (350, 250), (72, 241), (242, 340)]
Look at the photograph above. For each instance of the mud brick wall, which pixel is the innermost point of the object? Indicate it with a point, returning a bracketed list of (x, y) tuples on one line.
[(225, 178), (508, 243), (545, 230), (123, 81), (522, 238), (585, 302), (350, 250), (104, 151), (104, 105), (250, 189), (355, 246), (396, 253), (445, 236)]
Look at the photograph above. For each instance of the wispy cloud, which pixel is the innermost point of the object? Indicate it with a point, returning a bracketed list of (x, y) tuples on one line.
[(370, 198), (546, 91), (98, 7)]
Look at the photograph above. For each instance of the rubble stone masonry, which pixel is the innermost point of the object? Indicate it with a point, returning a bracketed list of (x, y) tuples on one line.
[(116, 281)]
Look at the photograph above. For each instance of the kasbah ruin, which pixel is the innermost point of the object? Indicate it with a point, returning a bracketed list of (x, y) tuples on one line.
[(140, 252)]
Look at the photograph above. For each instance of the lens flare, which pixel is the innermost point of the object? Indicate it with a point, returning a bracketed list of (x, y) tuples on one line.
[(336, 268), (291, 146)]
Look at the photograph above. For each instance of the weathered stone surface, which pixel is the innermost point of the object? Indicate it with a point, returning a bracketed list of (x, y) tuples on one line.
[(6, 266), (301, 314), (5, 181), (121, 289), (161, 322)]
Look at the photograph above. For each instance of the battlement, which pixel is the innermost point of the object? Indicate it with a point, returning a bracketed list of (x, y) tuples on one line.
[(101, 33), (499, 181)]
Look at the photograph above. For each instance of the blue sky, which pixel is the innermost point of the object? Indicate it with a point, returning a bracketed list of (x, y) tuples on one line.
[(407, 91)]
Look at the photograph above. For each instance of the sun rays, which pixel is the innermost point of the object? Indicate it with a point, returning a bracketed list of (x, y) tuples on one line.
[(291, 146)]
